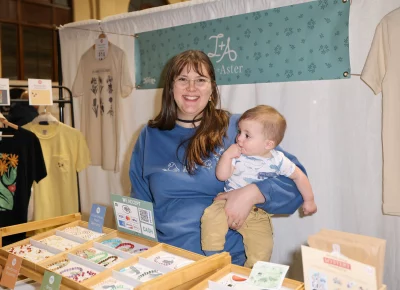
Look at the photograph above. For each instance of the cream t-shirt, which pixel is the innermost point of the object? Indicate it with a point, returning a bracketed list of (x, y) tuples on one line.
[(382, 73), (65, 152), (100, 84)]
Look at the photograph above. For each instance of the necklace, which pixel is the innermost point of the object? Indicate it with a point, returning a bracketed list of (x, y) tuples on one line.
[(190, 121)]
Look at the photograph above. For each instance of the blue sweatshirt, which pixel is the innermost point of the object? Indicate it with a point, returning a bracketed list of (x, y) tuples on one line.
[(179, 199)]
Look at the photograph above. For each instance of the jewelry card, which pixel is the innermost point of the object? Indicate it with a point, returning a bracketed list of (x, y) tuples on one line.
[(59, 242), (125, 245), (112, 283), (268, 275), (30, 252), (169, 260), (141, 272)]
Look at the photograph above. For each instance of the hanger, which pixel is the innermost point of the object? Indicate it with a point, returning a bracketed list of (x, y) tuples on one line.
[(45, 118), (102, 34), (8, 124)]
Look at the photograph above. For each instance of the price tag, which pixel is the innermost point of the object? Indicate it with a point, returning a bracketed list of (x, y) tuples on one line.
[(40, 92), (101, 48), (51, 281), (11, 271), (4, 92), (96, 219)]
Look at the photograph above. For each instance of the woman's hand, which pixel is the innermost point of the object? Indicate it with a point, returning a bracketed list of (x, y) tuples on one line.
[(239, 203)]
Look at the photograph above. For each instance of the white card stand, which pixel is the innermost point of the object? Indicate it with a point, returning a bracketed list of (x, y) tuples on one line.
[(146, 263), (154, 265), (86, 263), (137, 245), (71, 237), (44, 247), (116, 252), (179, 260), (126, 279)]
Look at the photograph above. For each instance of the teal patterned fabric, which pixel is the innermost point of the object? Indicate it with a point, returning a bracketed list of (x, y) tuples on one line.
[(308, 41)]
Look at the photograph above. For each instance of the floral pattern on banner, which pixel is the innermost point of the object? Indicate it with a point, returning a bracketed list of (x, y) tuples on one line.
[(8, 179), (308, 41)]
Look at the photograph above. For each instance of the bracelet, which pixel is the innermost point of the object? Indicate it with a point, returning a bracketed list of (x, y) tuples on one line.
[(58, 264), (76, 276), (134, 270), (112, 242), (86, 254), (139, 250), (131, 246), (106, 259), (165, 260), (102, 256), (151, 273), (72, 269)]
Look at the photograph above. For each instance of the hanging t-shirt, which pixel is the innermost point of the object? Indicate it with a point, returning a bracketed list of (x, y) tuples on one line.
[(382, 73), (65, 153), (100, 84), (21, 163)]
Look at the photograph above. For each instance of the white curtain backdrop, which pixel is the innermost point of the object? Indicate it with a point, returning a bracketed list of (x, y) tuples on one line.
[(334, 127)]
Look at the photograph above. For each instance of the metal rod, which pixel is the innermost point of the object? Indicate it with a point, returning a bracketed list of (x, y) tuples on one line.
[(26, 100), (60, 79)]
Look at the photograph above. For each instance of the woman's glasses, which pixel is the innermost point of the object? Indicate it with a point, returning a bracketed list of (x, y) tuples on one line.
[(184, 82)]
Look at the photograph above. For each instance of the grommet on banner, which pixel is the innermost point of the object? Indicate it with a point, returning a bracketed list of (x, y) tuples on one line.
[(345, 74), (137, 86), (344, 1), (136, 35)]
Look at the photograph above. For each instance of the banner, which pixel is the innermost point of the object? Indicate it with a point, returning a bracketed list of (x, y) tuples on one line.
[(308, 41)]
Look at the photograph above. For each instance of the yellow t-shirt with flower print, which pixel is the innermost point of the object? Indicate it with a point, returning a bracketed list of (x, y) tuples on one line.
[(65, 153)]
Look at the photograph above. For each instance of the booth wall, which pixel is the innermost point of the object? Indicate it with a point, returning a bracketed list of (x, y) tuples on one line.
[(334, 127)]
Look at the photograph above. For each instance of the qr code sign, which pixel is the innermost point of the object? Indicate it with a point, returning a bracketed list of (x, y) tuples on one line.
[(145, 216)]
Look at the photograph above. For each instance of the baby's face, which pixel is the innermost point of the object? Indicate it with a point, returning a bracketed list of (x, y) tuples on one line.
[(251, 138)]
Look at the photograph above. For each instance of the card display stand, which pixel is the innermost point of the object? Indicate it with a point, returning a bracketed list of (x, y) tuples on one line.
[(179, 269), (241, 273)]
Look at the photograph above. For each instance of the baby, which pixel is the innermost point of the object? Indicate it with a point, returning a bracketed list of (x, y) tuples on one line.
[(252, 159)]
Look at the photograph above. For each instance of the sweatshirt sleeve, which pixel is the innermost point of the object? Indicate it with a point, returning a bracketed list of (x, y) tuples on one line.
[(140, 184), (281, 193)]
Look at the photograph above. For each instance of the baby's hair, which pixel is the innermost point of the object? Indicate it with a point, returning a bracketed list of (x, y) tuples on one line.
[(274, 123)]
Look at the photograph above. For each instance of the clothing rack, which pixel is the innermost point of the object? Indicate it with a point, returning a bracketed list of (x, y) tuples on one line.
[(61, 104), (61, 101)]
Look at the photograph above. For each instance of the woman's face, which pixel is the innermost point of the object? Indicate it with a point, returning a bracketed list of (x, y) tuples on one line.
[(191, 92)]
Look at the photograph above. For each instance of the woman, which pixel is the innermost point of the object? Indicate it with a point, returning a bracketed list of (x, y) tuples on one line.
[(173, 162)]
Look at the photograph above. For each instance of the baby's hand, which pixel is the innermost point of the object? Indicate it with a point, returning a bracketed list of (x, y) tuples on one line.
[(233, 151), (309, 207)]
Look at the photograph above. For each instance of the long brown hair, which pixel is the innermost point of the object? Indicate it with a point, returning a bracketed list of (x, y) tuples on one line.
[(214, 124)]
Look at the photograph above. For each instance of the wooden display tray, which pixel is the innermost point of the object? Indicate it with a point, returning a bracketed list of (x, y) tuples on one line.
[(289, 283), (180, 279), (32, 265), (36, 225)]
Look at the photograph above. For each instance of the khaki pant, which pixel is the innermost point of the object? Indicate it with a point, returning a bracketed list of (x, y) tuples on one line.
[(257, 232)]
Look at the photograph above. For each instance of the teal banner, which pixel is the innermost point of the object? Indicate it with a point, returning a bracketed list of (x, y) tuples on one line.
[(308, 41)]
